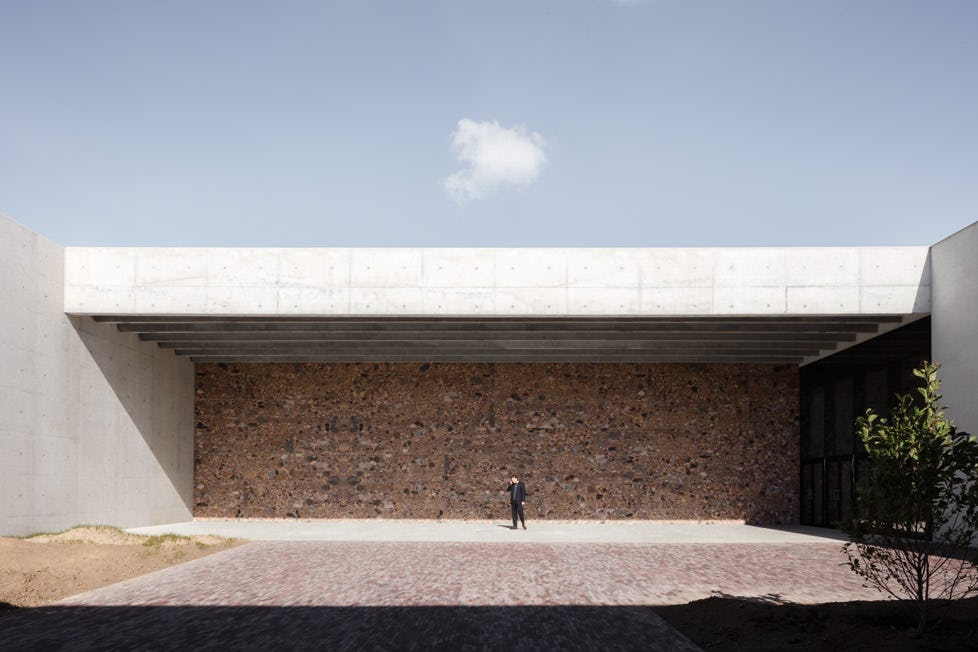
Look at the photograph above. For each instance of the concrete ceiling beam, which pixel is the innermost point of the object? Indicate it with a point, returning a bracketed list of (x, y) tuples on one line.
[(778, 338), (172, 340), (865, 326), (487, 359)]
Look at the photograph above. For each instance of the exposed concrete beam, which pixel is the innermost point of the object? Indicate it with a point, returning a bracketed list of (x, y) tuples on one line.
[(783, 338), (474, 345), (492, 345), (485, 352), (168, 340), (497, 358), (407, 320), (717, 325)]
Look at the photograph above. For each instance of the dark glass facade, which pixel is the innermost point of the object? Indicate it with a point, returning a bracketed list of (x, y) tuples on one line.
[(836, 390)]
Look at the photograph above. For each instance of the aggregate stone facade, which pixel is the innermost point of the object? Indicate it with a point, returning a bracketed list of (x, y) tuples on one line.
[(591, 441)]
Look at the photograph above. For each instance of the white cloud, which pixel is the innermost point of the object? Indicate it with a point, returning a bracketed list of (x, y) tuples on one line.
[(493, 156)]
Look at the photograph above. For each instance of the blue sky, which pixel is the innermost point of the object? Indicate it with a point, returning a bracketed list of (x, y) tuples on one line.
[(465, 123)]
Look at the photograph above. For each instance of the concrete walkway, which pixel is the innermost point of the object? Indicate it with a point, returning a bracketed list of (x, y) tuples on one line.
[(495, 531)]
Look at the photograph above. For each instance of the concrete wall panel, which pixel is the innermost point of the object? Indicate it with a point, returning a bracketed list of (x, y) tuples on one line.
[(823, 300), (458, 268), (677, 301), (18, 451), (386, 301), (531, 301), (740, 268), (242, 267), (603, 268), (894, 266), (163, 300), (385, 268), (106, 266), (232, 300), (894, 299), (954, 323), (676, 268), (447, 301), (104, 300), (820, 266), (749, 300), (610, 301), (171, 267), (531, 268), (77, 398), (322, 301), (313, 268)]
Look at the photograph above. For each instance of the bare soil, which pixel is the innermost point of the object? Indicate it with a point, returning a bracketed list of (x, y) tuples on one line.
[(41, 569)]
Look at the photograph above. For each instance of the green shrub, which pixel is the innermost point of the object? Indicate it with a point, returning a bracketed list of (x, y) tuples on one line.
[(912, 529)]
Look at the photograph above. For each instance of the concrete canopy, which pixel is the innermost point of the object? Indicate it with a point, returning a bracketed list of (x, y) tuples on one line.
[(775, 305)]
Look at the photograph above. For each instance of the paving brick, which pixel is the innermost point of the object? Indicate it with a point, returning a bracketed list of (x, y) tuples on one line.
[(431, 595)]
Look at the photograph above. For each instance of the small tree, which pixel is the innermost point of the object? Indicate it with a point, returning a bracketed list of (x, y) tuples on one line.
[(912, 529)]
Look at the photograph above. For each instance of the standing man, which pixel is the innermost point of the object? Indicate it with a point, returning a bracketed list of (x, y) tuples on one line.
[(517, 498)]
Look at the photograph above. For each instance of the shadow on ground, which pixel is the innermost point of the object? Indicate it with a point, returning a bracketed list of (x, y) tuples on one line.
[(770, 624), (338, 628)]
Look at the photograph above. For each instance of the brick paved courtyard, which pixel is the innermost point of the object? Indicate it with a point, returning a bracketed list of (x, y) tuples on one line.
[(424, 595)]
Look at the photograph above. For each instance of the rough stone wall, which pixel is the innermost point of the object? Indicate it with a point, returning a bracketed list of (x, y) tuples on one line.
[(593, 441)]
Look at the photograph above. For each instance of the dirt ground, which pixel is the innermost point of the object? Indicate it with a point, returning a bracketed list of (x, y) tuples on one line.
[(42, 569)]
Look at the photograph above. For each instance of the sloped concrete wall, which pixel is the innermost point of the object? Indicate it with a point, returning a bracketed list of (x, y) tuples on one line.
[(95, 426), (954, 323)]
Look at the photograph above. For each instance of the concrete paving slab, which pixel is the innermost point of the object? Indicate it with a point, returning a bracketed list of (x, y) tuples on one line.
[(495, 531)]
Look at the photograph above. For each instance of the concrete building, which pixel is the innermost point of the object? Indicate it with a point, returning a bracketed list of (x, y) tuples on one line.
[(142, 386)]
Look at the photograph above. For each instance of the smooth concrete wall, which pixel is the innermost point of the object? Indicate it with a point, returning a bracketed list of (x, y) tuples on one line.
[(95, 426), (954, 324), (584, 282)]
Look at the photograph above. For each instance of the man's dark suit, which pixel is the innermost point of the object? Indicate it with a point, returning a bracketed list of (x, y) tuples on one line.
[(517, 494)]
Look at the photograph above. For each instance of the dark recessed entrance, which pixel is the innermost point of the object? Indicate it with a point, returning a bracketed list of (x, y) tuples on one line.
[(834, 391)]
